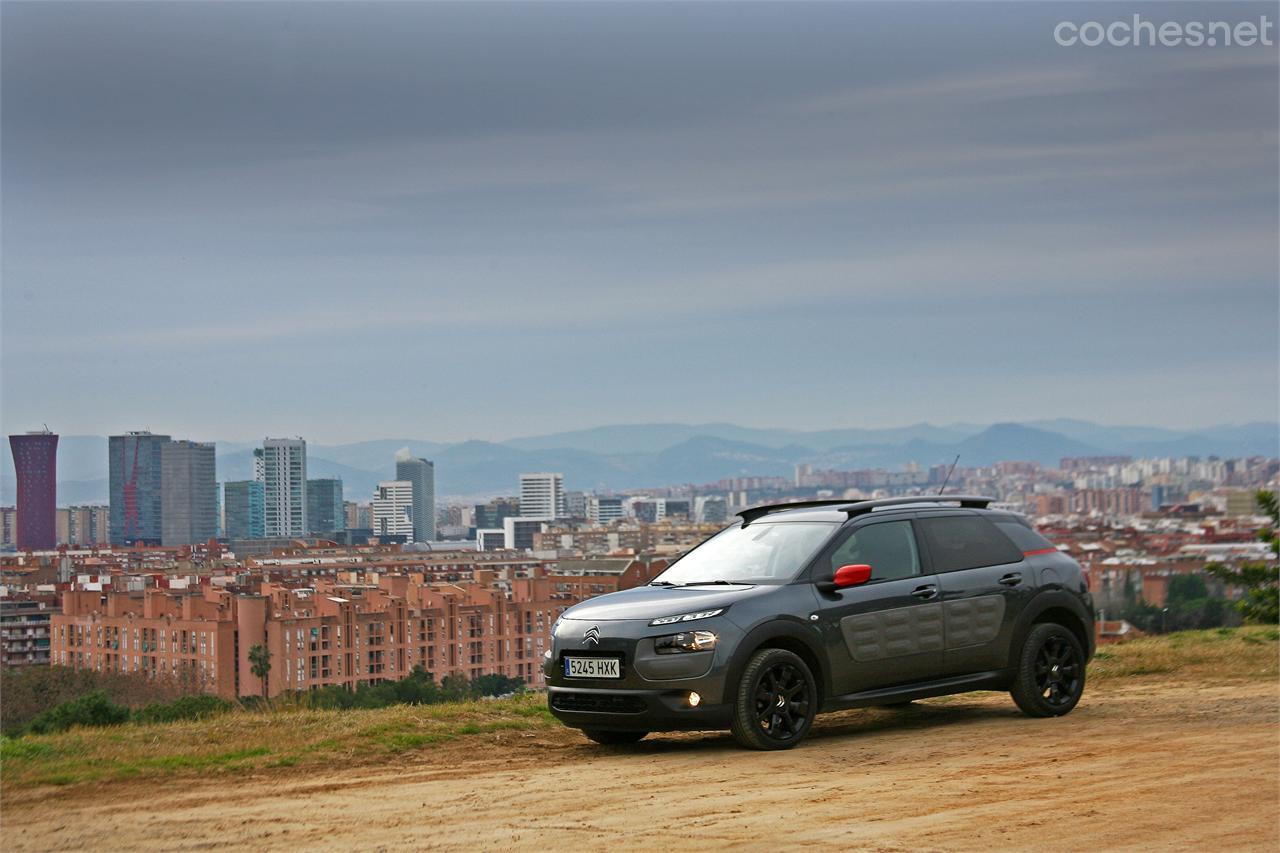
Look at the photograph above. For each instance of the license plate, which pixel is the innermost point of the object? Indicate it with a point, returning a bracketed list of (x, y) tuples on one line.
[(592, 668)]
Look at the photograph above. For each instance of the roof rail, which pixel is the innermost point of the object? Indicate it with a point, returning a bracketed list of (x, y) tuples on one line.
[(752, 513), (965, 501), (859, 507)]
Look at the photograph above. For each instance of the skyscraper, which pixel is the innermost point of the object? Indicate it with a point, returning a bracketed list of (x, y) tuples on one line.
[(542, 496), (189, 493), (136, 501), (284, 481), (242, 504), (421, 473), (35, 459), (324, 506), (393, 509)]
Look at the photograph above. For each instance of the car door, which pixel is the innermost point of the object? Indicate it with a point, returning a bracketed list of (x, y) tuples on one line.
[(887, 631), (985, 585)]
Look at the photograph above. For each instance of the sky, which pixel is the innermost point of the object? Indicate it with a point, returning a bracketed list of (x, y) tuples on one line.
[(448, 221)]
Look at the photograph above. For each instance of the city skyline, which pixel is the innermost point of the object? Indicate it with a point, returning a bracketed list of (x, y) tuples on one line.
[(980, 226)]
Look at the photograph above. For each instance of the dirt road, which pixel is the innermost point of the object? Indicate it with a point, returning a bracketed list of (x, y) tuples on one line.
[(1141, 765)]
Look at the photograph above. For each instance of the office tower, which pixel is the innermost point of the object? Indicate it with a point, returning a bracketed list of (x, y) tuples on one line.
[(136, 500), (284, 484), (35, 460), (575, 505), (422, 474), (491, 515), (8, 526), (712, 508), (542, 496), (393, 509), (243, 507), (259, 465), (324, 506), (604, 510), (188, 489)]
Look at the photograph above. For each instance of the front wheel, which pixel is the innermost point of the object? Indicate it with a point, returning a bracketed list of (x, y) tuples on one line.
[(1050, 675), (776, 701), (610, 738)]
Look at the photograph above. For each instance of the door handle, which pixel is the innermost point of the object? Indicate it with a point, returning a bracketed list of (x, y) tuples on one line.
[(1012, 579), (926, 592)]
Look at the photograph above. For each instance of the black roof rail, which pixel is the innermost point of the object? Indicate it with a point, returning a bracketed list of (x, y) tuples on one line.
[(858, 507), (752, 513), (965, 501)]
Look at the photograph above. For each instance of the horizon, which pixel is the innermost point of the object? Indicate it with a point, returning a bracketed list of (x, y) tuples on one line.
[(370, 218), (1041, 423)]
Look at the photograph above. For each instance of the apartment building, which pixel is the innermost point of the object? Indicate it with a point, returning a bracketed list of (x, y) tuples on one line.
[(24, 628)]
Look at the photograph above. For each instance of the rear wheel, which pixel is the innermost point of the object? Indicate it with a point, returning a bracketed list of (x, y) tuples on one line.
[(1050, 675), (776, 701), (609, 738)]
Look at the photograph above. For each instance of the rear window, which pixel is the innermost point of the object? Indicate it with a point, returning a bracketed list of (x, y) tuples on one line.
[(966, 542), (1024, 537)]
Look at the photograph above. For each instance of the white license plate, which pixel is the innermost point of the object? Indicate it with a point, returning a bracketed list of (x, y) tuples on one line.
[(592, 668)]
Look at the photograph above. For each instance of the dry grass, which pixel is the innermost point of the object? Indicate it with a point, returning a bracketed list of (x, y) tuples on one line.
[(241, 742), (1216, 655), (245, 741)]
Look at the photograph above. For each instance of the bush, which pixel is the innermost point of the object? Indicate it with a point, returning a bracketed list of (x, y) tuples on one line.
[(91, 709), (185, 708), (32, 690)]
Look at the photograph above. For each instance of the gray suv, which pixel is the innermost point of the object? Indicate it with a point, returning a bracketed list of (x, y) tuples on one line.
[(822, 606)]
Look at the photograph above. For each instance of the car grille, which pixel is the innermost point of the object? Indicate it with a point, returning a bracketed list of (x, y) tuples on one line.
[(598, 703)]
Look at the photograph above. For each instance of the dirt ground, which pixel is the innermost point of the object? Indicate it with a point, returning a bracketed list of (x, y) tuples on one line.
[(1140, 765)]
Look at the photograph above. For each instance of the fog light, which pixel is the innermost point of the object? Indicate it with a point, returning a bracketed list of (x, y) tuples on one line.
[(694, 700)]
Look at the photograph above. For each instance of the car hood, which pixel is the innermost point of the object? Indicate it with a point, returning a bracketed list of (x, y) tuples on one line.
[(654, 602)]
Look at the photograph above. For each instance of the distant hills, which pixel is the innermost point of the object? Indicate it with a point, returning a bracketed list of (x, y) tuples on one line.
[(653, 455)]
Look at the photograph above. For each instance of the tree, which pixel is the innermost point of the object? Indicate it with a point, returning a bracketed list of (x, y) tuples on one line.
[(260, 657), (1259, 580)]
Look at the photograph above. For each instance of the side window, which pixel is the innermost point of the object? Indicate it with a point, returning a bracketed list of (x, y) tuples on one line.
[(1027, 539), (888, 548), (966, 542)]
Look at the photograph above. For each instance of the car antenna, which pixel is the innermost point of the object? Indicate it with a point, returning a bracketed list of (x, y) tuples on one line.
[(948, 477)]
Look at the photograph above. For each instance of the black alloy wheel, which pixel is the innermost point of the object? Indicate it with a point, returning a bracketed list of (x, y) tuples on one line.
[(1051, 670), (776, 703)]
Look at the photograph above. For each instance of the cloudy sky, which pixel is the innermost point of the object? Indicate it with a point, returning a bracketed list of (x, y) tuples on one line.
[(482, 221)]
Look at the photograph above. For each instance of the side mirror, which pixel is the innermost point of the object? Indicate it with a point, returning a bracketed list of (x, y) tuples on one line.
[(846, 576)]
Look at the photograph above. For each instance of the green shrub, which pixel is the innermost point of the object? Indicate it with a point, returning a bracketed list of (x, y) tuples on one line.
[(91, 709), (186, 708)]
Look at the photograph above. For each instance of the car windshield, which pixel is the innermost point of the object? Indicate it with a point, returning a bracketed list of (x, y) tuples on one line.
[(757, 553)]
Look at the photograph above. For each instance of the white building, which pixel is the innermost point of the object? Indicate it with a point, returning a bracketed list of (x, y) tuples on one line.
[(393, 509), (542, 496), (284, 486), (517, 532), (422, 474)]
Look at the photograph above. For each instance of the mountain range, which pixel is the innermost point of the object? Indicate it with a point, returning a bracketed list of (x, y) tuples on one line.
[(653, 455)]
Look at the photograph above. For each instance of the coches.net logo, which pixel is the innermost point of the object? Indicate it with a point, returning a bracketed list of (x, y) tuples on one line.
[(1139, 32)]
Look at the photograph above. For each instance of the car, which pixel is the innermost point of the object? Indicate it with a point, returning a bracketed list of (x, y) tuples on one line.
[(803, 608)]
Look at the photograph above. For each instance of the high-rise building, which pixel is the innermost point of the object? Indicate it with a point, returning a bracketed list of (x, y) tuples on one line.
[(393, 509), (359, 516), (421, 473), (82, 525), (324, 506), (284, 483), (8, 526), (490, 516), (189, 493), (35, 460), (243, 509), (542, 496), (712, 508), (136, 500), (603, 510)]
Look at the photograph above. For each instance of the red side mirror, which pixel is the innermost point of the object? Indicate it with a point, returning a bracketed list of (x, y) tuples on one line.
[(852, 575)]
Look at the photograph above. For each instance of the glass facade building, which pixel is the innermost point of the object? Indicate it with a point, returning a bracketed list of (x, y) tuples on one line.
[(135, 479)]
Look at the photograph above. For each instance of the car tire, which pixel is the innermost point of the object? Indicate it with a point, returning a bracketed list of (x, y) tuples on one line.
[(612, 738), (1050, 669), (776, 701)]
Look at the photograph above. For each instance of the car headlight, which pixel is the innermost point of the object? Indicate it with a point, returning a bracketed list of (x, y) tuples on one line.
[(687, 617), (689, 641)]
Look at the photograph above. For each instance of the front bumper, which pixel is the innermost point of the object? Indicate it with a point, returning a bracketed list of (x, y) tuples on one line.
[(652, 693), (634, 710)]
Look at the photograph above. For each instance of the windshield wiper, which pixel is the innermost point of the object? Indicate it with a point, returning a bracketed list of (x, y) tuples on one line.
[(661, 583), (715, 583)]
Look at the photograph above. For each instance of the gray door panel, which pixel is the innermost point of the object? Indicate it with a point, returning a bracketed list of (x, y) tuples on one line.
[(893, 633), (973, 621)]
